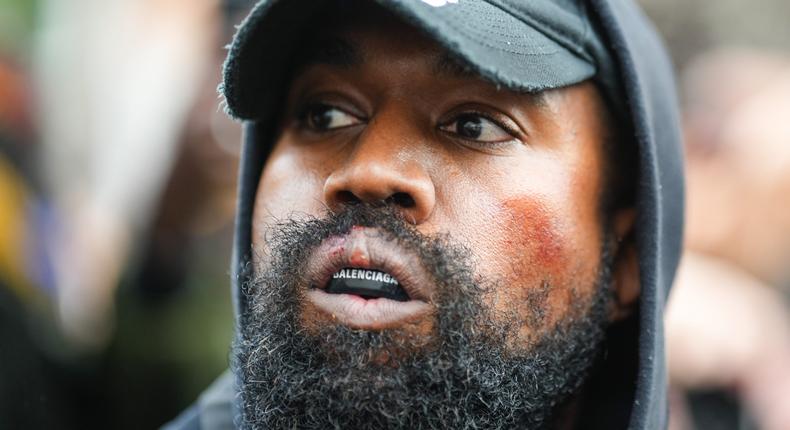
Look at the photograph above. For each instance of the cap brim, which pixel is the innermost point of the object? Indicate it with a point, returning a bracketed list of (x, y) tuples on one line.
[(494, 43)]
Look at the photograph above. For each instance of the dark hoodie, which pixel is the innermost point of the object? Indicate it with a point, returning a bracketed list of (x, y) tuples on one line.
[(630, 387)]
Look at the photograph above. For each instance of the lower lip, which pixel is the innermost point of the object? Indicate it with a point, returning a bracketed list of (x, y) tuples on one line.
[(373, 314)]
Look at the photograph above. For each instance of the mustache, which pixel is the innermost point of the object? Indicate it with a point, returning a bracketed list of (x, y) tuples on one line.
[(275, 284), (291, 242)]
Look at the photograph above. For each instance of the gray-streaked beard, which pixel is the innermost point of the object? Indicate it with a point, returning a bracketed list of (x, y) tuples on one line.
[(468, 377)]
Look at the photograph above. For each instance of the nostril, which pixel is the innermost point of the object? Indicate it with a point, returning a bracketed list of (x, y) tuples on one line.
[(347, 198), (403, 200)]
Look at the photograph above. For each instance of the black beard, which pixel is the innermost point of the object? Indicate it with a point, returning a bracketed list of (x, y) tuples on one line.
[(469, 376)]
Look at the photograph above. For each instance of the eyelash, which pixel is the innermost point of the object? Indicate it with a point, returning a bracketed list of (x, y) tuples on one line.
[(306, 108), (507, 128)]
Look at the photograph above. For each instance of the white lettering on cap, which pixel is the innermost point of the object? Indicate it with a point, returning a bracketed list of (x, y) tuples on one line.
[(439, 3)]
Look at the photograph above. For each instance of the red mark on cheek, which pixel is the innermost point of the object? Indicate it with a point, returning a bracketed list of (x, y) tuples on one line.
[(531, 226)]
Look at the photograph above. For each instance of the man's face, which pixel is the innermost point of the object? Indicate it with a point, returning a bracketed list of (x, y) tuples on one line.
[(484, 204)]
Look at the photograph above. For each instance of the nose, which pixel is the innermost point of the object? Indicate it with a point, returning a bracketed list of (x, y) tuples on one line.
[(380, 169)]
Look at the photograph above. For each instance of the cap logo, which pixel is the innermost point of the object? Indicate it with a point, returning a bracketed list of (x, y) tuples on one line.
[(439, 3)]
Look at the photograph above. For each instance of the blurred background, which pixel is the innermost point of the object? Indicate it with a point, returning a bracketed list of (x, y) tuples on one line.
[(117, 182)]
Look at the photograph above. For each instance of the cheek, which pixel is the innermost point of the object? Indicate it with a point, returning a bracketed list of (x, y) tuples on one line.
[(544, 262), (533, 229), (288, 188)]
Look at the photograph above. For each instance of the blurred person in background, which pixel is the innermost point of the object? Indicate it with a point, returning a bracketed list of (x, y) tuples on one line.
[(117, 80), (116, 210), (28, 373), (727, 317), (728, 325), (25, 373), (737, 133)]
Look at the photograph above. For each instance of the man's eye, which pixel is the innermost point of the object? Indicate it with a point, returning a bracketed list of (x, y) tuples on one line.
[(322, 117), (473, 126)]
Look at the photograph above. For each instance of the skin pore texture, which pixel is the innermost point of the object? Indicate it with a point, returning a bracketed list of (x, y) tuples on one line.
[(484, 203)]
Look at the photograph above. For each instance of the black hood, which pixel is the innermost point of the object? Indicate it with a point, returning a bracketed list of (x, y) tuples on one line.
[(631, 387)]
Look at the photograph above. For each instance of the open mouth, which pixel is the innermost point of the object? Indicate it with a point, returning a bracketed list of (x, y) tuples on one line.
[(366, 283)]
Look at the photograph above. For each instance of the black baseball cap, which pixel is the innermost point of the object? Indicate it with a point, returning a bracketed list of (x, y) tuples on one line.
[(523, 45)]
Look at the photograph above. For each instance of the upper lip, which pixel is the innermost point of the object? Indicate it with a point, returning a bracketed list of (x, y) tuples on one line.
[(369, 248)]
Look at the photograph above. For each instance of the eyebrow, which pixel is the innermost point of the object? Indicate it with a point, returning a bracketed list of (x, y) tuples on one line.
[(332, 51), (447, 64)]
